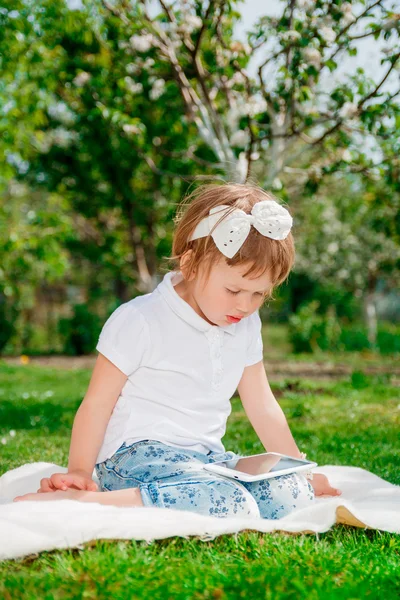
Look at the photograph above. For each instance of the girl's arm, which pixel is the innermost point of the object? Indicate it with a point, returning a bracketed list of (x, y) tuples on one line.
[(269, 421), (89, 426), (264, 412), (93, 415)]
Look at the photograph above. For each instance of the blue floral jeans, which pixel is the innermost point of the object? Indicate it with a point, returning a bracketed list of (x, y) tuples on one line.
[(170, 477)]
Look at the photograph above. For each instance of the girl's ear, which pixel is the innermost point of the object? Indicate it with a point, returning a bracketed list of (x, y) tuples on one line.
[(184, 266)]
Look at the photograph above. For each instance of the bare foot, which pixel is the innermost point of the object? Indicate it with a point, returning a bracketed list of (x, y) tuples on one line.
[(126, 497), (57, 495)]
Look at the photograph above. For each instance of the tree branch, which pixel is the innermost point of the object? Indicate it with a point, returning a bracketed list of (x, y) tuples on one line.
[(374, 92), (202, 30), (347, 27), (150, 162)]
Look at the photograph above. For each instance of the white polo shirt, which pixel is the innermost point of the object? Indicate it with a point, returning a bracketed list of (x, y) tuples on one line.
[(182, 371)]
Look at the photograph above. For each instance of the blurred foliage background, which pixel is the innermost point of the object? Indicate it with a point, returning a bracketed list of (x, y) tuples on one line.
[(110, 111)]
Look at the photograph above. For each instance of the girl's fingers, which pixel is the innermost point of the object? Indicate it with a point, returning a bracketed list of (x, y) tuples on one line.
[(75, 481), (46, 485), (64, 481), (333, 491), (57, 481), (328, 492)]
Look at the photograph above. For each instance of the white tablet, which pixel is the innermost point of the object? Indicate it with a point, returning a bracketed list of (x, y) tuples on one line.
[(260, 466)]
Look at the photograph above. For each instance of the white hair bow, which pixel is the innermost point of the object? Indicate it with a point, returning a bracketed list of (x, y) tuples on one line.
[(268, 217)]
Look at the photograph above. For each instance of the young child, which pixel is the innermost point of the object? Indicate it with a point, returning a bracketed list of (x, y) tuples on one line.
[(169, 362)]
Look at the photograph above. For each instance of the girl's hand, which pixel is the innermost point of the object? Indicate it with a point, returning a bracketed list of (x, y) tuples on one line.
[(322, 486), (63, 481)]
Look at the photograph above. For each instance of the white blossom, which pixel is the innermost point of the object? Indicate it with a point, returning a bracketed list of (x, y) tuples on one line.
[(61, 112), (241, 167), (220, 57), (291, 35), (157, 89), (327, 34), (348, 19), (313, 56), (133, 68), (346, 7), (240, 138), (148, 63), (237, 47), (81, 79), (306, 4), (308, 110), (193, 22), (277, 184), (233, 115), (132, 86), (213, 93), (391, 23), (346, 155), (348, 16), (189, 24), (287, 82), (63, 138), (12, 433), (247, 49), (105, 113), (237, 78), (3, 441), (131, 129), (316, 173), (256, 105), (176, 44), (332, 248), (142, 43), (172, 27), (348, 110)]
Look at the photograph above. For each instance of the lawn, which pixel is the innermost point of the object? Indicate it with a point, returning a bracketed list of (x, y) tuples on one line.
[(351, 421)]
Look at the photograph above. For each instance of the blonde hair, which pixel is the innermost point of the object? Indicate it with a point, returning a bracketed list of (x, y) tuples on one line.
[(259, 252)]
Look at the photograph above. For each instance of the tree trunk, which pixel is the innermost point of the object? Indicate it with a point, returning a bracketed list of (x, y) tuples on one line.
[(145, 283), (121, 290), (27, 329), (370, 310)]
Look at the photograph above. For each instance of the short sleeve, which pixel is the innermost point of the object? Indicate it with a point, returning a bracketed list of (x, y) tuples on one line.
[(124, 338), (254, 340)]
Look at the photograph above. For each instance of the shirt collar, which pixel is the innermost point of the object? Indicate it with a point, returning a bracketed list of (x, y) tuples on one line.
[(182, 308)]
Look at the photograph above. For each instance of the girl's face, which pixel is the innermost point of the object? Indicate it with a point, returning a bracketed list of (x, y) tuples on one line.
[(226, 294)]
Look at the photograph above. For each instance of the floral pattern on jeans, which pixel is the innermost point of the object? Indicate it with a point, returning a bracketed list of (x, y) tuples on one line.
[(171, 477)]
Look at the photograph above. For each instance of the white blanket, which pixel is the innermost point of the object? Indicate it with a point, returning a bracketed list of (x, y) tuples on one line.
[(30, 527)]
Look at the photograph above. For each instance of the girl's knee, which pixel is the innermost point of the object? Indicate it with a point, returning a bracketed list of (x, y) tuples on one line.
[(217, 498), (279, 496)]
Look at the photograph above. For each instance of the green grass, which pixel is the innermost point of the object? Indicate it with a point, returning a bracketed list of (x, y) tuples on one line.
[(354, 421), (277, 347)]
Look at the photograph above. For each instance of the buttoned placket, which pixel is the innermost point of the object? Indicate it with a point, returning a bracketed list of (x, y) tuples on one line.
[(215, 337)]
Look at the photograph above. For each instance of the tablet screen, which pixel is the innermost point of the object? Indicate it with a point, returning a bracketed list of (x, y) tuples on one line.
[(264, 463)]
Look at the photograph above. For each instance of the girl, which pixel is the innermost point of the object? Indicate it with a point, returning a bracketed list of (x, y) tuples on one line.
[(169, 362)]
